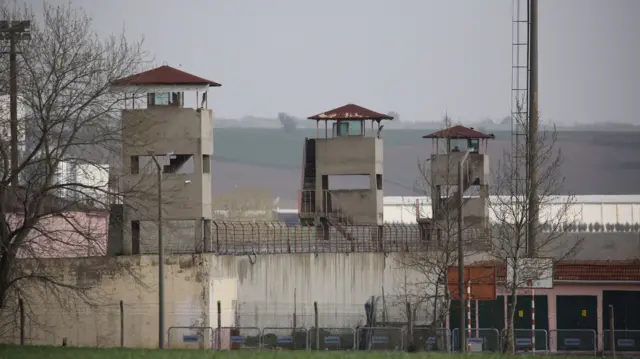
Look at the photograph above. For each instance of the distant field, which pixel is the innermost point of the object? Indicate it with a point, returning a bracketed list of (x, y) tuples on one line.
[(594, 162), (41, 352)]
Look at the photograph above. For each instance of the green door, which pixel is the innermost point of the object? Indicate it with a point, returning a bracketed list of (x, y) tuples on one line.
[(577, 322), (522, 322)]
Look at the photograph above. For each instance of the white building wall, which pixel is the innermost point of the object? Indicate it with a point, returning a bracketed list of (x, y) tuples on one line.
[(586, 209)]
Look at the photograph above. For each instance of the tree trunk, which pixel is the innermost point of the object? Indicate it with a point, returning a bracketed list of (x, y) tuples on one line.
[(509, 338)]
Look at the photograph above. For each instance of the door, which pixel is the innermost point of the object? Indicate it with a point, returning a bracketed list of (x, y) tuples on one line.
[(522, 322), (577, 322)]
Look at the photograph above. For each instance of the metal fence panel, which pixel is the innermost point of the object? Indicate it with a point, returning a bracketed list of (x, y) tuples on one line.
[(573, 340), (432, 339), (332, 339), (285, 338), (232, 338), (380, 338), (626, 340), (524, 340), (189, 337), (482, 339)]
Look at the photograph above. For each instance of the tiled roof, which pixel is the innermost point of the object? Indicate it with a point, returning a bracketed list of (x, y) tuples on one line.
[(590, 271), (351, 112), (164, 75), (598, 270), (458, 132)]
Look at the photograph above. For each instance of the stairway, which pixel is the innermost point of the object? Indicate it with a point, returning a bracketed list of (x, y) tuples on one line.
[(307, 195), (453, 202)]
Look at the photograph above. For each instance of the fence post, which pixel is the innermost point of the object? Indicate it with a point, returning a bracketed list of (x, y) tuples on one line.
[(218, 344), (315, 319), (22, 324), (121, 324), (612, 331)]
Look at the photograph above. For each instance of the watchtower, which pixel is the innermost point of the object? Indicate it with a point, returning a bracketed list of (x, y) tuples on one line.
[(450, 147), (163, 133), (343, 169)]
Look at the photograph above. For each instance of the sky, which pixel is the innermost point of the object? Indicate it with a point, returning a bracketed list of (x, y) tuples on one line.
[(417, 57)]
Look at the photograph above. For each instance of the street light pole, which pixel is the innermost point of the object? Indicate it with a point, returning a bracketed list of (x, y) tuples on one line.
[(463, 344), (160, 258)]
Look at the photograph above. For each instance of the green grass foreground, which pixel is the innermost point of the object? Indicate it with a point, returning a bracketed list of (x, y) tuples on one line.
[(44, 352)]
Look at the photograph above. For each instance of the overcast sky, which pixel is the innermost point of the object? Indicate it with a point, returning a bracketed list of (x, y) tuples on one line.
[(417, 57)]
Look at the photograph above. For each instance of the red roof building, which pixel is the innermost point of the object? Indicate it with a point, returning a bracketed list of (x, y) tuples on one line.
[(585, 271), (351, 112), (164, 76), (459, 132)]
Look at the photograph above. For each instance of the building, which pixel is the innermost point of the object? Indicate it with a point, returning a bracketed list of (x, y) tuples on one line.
[(93, 181), (342, 170), (167, 145), (458, 165)]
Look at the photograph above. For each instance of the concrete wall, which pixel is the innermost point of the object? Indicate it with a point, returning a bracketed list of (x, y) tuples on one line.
[(187, 194), (444, 168), (352, 155), (253, 291), (54, 314)]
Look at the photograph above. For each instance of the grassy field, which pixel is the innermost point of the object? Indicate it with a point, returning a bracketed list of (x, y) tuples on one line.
[(42, 352)]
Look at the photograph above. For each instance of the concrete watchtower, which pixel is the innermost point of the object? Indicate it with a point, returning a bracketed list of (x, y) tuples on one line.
[(450, 146), (343, 169), (180, 139)]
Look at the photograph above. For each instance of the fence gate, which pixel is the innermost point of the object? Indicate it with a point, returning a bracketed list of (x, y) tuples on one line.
[(332, 339), (189, 337), (380, 338), (432, 340), (285, 338), (482, 339), (233, 338)]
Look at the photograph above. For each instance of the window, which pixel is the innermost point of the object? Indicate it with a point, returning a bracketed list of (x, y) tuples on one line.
[(135, 237), (379, 181), (348, 182), (161, 98), (341, 128), (135, 165), (206, 164)]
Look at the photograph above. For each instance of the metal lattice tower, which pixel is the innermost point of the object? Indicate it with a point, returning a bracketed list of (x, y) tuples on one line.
[(519, 92)]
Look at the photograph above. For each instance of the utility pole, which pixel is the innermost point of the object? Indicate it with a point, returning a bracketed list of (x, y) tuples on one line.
[(13, 31), (463, 344), (533, 138), (160, 257)]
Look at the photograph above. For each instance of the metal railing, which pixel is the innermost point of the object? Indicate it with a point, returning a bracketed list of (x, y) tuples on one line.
[(625, 340), (573, 340), (482, 339)]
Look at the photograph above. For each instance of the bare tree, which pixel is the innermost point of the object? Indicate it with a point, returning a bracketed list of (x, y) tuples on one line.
[(71, 120), (427, 287), (510, 208)]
